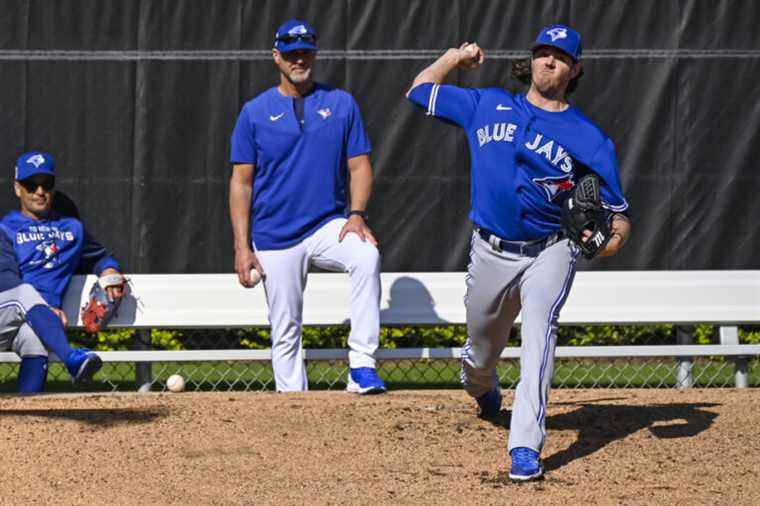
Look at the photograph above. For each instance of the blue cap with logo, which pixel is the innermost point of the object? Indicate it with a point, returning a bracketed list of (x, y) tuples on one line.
[(562, 37), (295, 34), (32, 163)]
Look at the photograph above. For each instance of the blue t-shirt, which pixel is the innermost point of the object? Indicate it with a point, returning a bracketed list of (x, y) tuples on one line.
[(300, 168), (48, 252), (523, 159)]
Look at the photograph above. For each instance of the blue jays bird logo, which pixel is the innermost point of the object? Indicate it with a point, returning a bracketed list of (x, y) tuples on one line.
[(553, 186), (36, 160), (50, 250), (557, 33)]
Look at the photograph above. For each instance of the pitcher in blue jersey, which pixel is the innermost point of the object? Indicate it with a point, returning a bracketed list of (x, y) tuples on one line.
[(527, 151), (39, 252), (293, 149)]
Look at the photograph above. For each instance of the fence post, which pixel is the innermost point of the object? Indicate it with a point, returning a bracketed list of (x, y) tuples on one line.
[(685, 379), (143, 370), (730, 335)]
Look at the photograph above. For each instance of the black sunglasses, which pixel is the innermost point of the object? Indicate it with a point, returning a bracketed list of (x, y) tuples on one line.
[(31, 185), (306, 37)]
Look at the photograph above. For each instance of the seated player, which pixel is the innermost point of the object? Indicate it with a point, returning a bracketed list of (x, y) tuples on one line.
[(40, 250)]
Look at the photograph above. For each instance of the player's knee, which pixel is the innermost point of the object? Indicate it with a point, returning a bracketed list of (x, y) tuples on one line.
[(474, 363), (286, 335), (29, 296), (28, 344), (538, 326), (366, 261)]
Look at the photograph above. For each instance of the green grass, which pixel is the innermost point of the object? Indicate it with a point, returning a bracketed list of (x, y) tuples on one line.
[(404, 374)]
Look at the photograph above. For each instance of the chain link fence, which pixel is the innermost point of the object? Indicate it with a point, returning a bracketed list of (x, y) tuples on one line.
[(662, 372)]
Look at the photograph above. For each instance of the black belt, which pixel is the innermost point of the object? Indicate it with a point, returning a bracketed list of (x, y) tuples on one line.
[(524, 248)]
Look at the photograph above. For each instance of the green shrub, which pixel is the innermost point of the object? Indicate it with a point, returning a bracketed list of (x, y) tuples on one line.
[(440, 336)]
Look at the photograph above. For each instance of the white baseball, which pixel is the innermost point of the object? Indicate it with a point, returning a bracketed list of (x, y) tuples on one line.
[(255, 277), (470, 49), (175, 383)]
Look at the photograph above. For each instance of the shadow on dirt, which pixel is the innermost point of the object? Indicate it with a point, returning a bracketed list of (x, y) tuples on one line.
[(94, 417), (600, 424)]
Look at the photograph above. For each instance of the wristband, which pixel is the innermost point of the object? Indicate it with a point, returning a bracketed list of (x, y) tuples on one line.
[(363, 214)]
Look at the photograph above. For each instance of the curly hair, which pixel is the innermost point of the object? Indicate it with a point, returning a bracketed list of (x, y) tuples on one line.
[(521, 72)]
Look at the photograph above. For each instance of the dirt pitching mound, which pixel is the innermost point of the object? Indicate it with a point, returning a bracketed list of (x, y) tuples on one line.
[(406, 447)]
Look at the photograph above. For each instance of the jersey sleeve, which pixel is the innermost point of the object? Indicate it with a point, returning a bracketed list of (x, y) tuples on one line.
[(10, 276), (357, 142), (605, 164), (95, 258), (450, 103), (242, 144)]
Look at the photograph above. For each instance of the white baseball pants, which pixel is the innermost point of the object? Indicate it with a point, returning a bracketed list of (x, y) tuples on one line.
[(285, 282)]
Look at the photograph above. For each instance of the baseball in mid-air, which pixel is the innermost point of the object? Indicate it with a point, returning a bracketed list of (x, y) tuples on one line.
[(175, 383), (255, 277)]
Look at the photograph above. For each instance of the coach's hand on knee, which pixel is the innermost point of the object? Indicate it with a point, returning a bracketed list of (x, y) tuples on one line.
[(358, 226), (245, 260)]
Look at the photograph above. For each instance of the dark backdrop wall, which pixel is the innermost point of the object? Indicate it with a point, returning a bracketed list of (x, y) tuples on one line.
[(137, 99)]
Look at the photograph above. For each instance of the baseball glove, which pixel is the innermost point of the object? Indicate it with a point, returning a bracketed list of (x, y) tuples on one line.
[(582, 210), (100, 309)]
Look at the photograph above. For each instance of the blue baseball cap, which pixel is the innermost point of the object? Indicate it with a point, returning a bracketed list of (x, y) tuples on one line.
[(32, 163), (295, 34), (563, 38)]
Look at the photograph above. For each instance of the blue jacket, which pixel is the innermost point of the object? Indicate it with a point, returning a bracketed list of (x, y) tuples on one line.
[(48, 252), (9, 274)]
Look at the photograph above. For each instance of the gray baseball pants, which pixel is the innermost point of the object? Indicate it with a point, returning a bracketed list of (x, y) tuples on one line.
[(15, 334), (500, 285)]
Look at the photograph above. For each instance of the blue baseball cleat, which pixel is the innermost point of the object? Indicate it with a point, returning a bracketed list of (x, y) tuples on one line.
[(364, 380), (490, 403), (83, 364), (526, 465)]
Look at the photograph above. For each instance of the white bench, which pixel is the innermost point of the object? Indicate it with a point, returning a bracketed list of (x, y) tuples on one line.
[(726, 298), (217, 300)]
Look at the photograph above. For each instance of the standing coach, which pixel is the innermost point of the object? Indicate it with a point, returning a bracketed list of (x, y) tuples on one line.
[(293, 149)]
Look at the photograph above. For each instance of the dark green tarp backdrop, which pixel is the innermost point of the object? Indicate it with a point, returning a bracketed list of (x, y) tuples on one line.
[(137, 99)]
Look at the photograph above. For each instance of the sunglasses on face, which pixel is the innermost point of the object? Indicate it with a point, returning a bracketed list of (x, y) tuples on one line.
[(31, 185), (289, 39)]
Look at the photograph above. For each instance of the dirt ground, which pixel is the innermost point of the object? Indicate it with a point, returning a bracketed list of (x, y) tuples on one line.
[(406, 447)]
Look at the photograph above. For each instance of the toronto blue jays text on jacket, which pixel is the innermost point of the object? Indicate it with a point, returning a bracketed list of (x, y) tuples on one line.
[(49, 251)]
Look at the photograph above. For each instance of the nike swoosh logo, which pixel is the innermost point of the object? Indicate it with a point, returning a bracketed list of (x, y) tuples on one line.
[(503, 108), (275, 118)]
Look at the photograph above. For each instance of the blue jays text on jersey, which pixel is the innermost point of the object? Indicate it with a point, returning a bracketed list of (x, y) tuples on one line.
[(523, 159), (48, 252), (300, 168)]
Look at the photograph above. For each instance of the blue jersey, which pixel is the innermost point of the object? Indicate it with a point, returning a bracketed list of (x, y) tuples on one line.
[(523, 159), (48, 252), (300, 168)]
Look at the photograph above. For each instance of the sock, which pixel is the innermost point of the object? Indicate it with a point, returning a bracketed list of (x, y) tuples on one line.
[(48, 327), (32, 374)]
